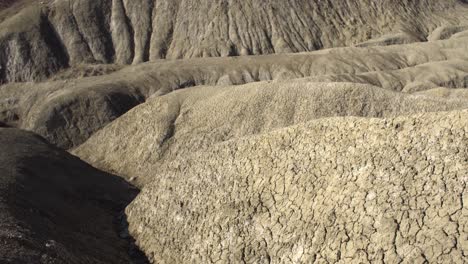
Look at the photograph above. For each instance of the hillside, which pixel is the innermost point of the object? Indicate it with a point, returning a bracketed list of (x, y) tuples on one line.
[(48, 36), (56, 208), (196, 119), (68, 111), (337, 190), (233, 131)]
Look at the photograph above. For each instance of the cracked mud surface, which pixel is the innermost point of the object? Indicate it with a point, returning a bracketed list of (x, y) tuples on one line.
[(337, 190), (153, 134)]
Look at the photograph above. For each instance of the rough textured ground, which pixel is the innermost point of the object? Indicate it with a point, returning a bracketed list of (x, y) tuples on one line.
[(54, 208), (46, 36), (68, 111), (175, 125), (337, 190), (276, 131)]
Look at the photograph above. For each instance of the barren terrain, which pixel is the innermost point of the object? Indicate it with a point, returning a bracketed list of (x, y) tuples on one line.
[(233, 131)]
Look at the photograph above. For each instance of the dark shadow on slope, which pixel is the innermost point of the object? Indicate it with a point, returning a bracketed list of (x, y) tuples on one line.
[(136, 255), (53, 41), (55, 208)]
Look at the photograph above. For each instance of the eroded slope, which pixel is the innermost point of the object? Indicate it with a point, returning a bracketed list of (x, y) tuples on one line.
[(175, 125), (275, 158), (67, 112), (54, 208), (51, 35)]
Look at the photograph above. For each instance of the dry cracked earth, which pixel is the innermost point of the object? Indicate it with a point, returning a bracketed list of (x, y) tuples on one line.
[(233, 131)]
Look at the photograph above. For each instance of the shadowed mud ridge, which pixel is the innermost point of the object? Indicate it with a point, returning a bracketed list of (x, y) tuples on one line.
[(126, 32), (67, 112), (56, 208)]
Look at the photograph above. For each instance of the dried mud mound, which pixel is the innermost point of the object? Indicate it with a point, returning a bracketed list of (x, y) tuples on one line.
[(54, 208), (190, 120), (335, 190), (46, 36)]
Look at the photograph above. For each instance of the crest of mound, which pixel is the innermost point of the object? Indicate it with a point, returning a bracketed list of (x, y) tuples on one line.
[(54, 208), (351, 190), (194, 119), (446, 32), (67, 112), (390, 39), (38, 38)]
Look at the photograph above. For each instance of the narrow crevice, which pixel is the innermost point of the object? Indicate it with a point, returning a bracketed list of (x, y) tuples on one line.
[(146, 51), (167, 42), (131, 31), (268, 39), (170, 35), (3, 77), (233, 52), (169, 133), (134, 252), (54, 42), (75, 23), (109, 51)]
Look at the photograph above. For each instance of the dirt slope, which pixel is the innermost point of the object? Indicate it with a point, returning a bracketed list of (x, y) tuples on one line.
[(336, 190), (67, 112), (194, 119), (48, 36), (274, 131), (54, 208)]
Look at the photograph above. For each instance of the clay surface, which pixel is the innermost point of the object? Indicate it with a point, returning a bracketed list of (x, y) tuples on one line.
[(337, 190)]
